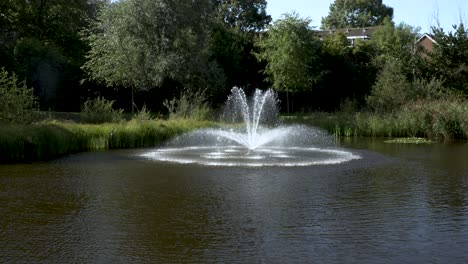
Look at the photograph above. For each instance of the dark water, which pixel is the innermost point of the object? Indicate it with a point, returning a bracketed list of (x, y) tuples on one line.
[(399, 204)]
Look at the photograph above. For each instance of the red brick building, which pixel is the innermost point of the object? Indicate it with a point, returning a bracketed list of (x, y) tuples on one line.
[(427, 42)]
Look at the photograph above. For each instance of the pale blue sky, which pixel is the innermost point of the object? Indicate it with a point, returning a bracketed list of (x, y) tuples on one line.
[(417, 13)]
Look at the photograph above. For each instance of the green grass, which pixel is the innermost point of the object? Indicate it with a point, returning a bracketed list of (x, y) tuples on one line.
[(50, 139), (442, 119)]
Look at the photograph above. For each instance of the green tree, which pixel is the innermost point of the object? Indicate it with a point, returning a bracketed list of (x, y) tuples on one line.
[(348, 73), (236, 25), (40, 40), (356, 13), (290, 50), (340, 76), (391, 89), (336, 44), (449, 59), (232, 50), (396, 42), (245, 15), (143, 44)]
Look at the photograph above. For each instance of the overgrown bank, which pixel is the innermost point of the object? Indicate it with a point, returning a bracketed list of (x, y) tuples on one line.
[(441, 119), (46, 140)]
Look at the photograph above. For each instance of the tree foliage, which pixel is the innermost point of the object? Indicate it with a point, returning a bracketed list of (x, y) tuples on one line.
[(17, 100), (40, 40), (100, 110), (392, 89), (244, 15), (356, 13), (449, 59), (396, 42), (143, 43), (347, 72), (290, 50), (233, 33)]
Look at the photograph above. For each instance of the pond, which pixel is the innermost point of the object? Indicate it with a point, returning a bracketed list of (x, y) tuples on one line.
[(399, 203)]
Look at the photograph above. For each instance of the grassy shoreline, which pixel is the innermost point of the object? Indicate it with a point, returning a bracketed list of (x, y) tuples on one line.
[(52, 139), (391, 126)]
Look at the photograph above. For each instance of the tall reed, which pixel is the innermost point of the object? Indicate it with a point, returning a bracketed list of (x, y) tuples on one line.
[(45, 140), (443, 119)]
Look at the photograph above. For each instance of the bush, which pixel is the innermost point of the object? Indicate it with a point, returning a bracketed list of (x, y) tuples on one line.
[(444, 118), (99, 110), (392, 90), (18, 103), (190, 104), (143, 115)]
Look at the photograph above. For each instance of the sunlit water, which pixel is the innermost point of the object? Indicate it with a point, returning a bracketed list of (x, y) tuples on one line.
[(239, 156), (396, 204)]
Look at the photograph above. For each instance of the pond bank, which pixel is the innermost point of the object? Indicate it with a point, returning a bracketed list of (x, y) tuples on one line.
[(52, 139), (401, 124)]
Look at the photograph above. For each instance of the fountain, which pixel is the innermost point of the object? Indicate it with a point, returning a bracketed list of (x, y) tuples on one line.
[(258, 142)]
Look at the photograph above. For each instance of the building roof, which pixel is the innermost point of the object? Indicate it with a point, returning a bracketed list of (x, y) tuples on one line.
[(351, 33), (428, 36)]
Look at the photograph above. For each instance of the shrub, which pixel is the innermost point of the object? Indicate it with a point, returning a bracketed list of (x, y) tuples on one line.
[(446, 118), (429, 90), (392, 90), (18, 103), (143, 115), (190, 104), (99, 110)]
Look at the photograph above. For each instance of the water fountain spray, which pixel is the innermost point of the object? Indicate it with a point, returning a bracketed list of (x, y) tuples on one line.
[(253, 143)]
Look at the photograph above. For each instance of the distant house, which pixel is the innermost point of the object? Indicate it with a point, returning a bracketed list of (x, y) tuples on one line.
[(426, 41), (352, 34)]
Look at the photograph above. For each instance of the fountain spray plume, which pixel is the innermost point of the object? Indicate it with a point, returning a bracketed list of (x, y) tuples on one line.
[(256, 143), (261, 108)]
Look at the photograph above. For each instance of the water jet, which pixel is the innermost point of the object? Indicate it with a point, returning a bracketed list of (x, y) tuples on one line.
[(259, 141)]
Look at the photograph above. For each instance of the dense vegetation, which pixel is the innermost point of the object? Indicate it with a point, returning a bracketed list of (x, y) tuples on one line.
[(51, 139), (180, 59)]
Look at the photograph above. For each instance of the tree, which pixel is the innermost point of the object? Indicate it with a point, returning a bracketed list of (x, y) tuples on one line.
[(232, 51), (391, 89), (449, 59), (396, 42), (236, 25), (290, 50), (356, 13), (40, 40), (245, 15), (144, 44), (340, 74)]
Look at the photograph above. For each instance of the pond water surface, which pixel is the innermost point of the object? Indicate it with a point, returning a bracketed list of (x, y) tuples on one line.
[(398, 204)]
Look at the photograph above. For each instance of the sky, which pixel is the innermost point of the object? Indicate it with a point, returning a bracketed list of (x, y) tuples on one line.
[(416, 13)]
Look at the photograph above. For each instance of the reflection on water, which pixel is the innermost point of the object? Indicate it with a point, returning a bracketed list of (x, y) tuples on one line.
[(399, 204)]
